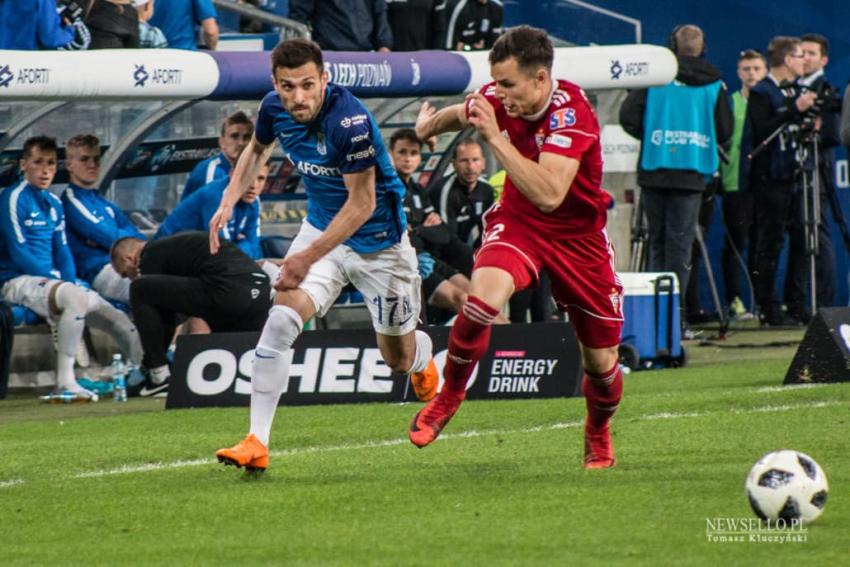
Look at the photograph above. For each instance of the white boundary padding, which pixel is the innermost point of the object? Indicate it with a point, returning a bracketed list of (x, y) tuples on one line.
[(159, 74), (169, 74), (598, 67)]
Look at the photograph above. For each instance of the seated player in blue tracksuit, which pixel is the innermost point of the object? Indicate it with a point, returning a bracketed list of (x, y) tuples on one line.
[(236, 132), (37, 269), (243, 228), (93, 223)]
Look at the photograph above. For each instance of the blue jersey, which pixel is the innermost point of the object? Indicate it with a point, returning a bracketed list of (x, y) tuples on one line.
[(195, 213), (177, 20), (32, 227), (343, 138), (93, 225), (205, 172), (29, 25)]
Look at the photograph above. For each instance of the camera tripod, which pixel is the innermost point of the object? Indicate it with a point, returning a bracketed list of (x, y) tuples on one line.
[(811, 180), (638, 260)]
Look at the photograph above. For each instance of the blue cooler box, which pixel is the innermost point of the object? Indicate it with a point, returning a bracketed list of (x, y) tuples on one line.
[(652, 330)]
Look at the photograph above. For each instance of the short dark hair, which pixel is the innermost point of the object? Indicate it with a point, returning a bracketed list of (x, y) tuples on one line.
[(819, 39), (688, 40), (465, 142), (43, 143), (293, 53), (408, 134), (237, 117), (779, 48), (750, 54), (529, 46)]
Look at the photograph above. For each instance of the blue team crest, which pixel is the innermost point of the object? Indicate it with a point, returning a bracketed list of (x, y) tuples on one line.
[(320, 144)]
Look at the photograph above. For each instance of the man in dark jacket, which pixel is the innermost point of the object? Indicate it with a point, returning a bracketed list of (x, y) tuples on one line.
[(681, 125), (815, 57), (345, 25), (444, 283), (770, 175), (473, 24), (417, 24), (463, 197)]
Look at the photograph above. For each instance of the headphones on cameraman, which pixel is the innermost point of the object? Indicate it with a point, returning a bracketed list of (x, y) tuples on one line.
[(674, 45)]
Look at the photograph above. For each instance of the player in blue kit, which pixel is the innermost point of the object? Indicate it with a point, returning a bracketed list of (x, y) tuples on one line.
[(236, 132), (243, 228), (355, 231)]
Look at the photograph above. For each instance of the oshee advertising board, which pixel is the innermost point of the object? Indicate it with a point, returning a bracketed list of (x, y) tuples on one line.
[(524, 361)]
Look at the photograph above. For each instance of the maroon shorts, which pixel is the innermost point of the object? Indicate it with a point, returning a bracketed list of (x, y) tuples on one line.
[(584, 283)]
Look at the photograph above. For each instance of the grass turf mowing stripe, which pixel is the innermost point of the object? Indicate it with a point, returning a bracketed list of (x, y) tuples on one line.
[(148, 467)]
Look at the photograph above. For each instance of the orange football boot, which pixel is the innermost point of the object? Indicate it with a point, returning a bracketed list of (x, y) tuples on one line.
[(431, 419), (249, 453), (425, 383)]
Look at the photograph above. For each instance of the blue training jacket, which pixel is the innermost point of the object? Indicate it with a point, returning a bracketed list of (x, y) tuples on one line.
[(93, 224), (32, 227), (205, 172), (195, 213), (32, 24)]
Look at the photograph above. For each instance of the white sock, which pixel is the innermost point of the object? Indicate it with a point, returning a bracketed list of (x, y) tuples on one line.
[(72, 303), (104, 316), (65, 379), (271, 368), (160, 374), (424, 348)]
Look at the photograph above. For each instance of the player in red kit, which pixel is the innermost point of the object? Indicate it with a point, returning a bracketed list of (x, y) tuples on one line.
[(551, 216)]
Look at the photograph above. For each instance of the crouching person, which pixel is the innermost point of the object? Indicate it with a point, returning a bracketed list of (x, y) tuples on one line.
[(177, 276)]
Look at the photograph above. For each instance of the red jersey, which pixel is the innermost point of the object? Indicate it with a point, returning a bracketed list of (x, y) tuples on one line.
[(567, 127)]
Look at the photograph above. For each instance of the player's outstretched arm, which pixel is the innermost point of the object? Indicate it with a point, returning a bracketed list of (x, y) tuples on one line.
[(358, 208), (244, 173), (432, 122)]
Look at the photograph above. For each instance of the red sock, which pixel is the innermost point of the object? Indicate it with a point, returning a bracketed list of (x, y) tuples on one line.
[(468, 342), (602, 393)]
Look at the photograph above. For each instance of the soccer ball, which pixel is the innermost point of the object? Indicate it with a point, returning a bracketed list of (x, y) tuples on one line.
[(787, 485)]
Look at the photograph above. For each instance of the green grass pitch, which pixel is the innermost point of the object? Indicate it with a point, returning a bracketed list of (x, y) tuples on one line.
[(128, 484)]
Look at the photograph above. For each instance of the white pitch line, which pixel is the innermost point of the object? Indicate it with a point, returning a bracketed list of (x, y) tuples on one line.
[(669, 415), (791, 387), (147, 467)]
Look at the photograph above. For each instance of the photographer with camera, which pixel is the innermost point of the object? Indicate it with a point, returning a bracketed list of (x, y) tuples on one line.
[(823, 118), (42, 24), (774, 108)]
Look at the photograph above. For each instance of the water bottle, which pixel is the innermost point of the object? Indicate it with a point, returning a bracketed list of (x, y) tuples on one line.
[(119, 379), (62, 398)]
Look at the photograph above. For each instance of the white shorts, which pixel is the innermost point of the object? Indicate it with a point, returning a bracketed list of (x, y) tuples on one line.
[(109, 284), (389, 281), (33, 292)]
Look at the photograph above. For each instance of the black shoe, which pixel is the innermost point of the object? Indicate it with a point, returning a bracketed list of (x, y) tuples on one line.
[(151, 390)]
